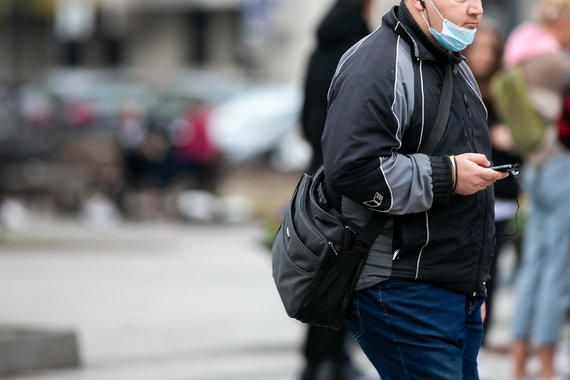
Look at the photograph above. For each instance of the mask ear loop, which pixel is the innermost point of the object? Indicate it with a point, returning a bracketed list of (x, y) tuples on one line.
[(434, 7), (428, 21)]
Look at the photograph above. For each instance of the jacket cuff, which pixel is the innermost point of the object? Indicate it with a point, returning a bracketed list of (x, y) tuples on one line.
[(441, 180)]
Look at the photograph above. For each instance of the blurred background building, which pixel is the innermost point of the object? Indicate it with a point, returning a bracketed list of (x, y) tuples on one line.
[(270, 37)]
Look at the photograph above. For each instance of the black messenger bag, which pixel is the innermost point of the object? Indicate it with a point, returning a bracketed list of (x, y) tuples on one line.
[(317, 257)]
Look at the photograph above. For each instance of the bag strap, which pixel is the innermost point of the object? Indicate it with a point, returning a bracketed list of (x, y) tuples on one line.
[(377, 221), (372, 229), (440, 124)]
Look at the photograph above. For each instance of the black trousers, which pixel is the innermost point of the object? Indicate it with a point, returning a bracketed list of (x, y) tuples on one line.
[(323, 343)]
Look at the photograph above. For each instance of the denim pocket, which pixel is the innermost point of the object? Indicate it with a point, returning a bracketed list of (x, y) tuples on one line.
[(353, 319)]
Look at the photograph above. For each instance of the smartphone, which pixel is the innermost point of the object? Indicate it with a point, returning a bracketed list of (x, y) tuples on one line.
[(506, 168)]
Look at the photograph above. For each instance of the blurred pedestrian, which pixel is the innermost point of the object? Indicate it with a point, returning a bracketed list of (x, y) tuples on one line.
[(131, 135), (326, 350), (194, 155), (416, 312), (342, 26), (484, 57), (544, 275), (564, 121)]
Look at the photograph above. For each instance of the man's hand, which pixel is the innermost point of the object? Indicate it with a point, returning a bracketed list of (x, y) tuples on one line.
[(472, 174)]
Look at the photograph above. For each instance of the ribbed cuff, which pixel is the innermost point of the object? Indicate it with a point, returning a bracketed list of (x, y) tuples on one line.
[(442, 180)]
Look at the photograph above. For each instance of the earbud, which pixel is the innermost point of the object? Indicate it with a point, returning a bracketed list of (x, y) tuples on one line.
[(423, 3)]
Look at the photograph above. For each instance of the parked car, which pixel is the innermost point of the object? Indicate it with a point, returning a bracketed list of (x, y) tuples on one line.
[(196, 88), (262, 120)]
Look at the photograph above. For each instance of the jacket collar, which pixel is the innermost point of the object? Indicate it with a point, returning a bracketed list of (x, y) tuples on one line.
[(402, 22)]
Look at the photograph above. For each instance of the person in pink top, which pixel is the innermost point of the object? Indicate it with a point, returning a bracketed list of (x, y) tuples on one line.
[(542, 41), (544, 276)]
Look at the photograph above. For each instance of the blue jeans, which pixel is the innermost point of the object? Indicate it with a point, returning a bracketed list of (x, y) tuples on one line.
[(543, 281), (411, 330)]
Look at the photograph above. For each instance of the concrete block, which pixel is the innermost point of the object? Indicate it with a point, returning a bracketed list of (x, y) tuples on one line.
[(24, 349)]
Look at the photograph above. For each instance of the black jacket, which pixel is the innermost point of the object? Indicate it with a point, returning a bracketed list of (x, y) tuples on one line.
[(340, 29), (382, 104)]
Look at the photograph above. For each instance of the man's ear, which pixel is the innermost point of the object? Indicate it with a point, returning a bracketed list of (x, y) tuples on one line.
[(420, 5)]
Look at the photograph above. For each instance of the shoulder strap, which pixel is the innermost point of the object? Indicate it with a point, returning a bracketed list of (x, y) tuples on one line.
[(372, 229), (438, 129), (377, 221)]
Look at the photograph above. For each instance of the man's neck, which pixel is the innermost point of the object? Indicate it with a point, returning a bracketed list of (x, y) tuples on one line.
[(410, 19)]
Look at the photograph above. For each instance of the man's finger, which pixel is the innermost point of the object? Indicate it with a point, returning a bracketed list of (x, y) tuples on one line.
[(479, 159)]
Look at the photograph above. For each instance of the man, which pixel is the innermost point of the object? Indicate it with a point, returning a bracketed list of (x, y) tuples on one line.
[(416, 313), (326, 350)]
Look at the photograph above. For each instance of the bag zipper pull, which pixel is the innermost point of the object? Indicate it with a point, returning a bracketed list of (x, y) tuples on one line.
[(332, 247)]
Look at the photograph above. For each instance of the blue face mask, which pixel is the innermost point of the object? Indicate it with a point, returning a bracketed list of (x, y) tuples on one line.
[(452, 37)]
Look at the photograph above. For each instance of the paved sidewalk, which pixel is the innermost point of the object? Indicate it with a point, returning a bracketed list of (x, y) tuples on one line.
[(164, 302)]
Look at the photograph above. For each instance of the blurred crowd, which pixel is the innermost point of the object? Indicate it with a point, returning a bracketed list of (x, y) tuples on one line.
[(106, 142), (92, 115)]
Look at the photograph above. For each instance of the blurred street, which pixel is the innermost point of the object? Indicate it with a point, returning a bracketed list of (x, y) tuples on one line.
[(152, 301), (166, 301)]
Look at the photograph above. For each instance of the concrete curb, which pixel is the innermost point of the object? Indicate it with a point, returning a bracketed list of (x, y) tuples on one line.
[(24, 349)]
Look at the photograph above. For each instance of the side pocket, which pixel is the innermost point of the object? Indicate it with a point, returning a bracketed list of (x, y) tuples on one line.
[(353, 319), (292, 282), (410, 232)]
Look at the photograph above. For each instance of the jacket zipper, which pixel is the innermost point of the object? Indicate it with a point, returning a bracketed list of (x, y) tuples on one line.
[(472, 143), (484, 241), (418, 263)]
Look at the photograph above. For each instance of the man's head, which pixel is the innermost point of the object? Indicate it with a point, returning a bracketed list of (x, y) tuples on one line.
[(431, 14), (555, 16)]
